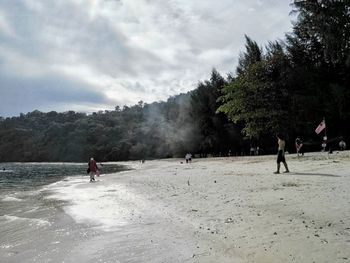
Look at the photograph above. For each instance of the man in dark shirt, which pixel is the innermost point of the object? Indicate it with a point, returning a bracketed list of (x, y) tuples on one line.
[(298, 146)]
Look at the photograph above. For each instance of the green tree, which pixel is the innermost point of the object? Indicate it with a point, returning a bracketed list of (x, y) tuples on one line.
[(257, 97)]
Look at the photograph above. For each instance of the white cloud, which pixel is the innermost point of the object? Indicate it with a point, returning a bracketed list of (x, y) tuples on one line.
[(131, 50), (5, 27), (15, 63)]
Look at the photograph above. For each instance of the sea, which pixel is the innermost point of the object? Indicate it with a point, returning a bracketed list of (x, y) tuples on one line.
[(34, 227)]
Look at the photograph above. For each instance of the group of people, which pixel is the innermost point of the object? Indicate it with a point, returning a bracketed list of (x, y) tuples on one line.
[(280, 156), (254, 150), (94, 171), (299, 150), (299, 145)]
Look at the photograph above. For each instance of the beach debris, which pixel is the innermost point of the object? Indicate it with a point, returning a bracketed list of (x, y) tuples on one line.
[(229, 220), (275, 233), (228, 201), (290, 184), (188, 182), (214, 181)]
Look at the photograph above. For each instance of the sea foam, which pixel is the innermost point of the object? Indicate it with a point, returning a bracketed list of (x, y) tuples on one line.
[(107, 207), (30, 221), (11, 199)]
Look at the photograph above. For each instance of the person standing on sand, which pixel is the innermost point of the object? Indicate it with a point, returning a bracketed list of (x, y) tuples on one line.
[(93, 169), (188, 157), (298, 146), (342, 145), (280, 154)]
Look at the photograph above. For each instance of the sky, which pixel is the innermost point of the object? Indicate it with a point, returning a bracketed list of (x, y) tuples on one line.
[(93, 55)]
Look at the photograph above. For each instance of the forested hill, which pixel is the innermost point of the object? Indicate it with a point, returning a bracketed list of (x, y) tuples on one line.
[(286, 86), (157, 130)]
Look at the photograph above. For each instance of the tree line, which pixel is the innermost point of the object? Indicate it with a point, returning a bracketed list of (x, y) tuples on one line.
[(287, 86)]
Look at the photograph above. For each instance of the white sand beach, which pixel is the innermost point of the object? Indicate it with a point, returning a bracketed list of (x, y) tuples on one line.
[(230, 209)]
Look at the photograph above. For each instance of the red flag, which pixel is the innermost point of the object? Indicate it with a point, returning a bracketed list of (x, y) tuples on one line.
[(320, 127)]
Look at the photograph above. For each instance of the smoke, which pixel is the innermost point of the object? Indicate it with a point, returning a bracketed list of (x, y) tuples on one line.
[(171, 124)]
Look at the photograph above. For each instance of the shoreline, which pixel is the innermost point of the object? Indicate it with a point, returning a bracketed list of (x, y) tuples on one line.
[(225, 209)]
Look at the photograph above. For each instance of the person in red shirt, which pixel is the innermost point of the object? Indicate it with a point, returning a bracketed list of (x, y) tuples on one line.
[(93, 169)]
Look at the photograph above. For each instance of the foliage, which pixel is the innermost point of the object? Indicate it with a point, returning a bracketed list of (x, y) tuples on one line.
[(258, 95), (288, 87)]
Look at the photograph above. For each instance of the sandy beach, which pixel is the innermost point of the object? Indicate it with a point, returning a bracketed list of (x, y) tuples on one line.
[(230, 209)]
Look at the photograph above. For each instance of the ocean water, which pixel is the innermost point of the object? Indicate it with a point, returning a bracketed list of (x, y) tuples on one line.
[(34, 228)]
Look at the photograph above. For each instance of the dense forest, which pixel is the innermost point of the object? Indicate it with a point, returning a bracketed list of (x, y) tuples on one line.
[(287, 86)]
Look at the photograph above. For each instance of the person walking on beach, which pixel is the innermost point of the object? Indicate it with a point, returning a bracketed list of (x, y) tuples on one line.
[(342, 145), (280, 155), (298, 146), (188, 157), (93, 169)]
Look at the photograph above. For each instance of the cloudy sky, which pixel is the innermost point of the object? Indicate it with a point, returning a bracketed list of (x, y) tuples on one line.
[(90, 55)]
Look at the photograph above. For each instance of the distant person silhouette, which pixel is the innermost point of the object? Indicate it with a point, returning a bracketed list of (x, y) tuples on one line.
[(299, 146), (93, 169), (188, 157), (280, 155), (342, 145)]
